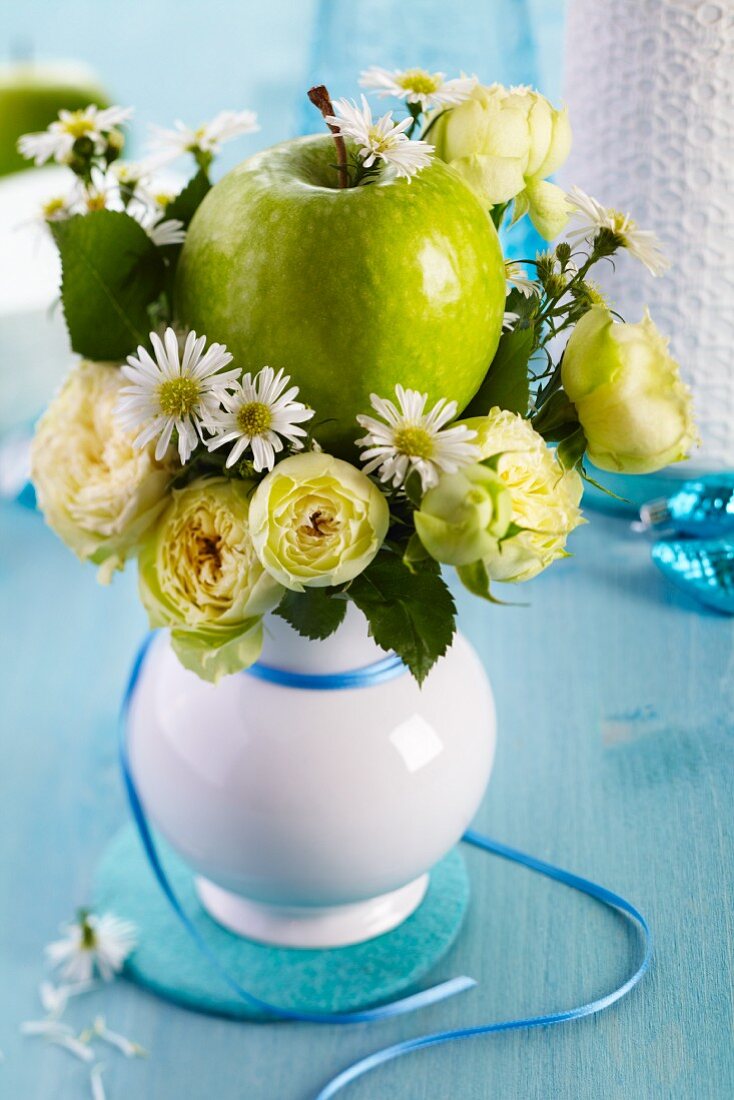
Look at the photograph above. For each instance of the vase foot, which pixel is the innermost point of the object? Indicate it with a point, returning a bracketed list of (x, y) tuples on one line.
[(296, 926)]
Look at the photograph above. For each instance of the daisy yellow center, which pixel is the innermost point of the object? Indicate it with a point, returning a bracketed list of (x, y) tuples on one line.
[(419, 81), (414, 441), (254, 418), (53, 207), (78, 125), (178, 397), (96, 202)]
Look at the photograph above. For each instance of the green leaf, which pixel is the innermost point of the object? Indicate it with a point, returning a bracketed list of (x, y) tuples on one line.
[(111, 272), (475, 578), (416, 558), (557, 418), (506, 383), (414, 488), (188, 201), (571, 450), (314, 613), (410, 613)]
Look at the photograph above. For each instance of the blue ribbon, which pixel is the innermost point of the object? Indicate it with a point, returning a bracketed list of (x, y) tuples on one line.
[(407, 1004), (376, 673)]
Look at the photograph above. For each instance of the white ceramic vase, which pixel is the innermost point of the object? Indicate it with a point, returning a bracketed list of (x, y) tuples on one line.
[(312, 815)]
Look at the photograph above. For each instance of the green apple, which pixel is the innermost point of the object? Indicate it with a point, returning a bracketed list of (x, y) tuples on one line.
[(350, 291), (31, 96)]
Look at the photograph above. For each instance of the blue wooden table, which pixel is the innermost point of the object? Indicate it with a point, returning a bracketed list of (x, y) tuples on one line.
[(614, 693)]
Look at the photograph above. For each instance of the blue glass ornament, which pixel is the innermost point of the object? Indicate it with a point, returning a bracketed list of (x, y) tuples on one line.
[(702, 568), (702, 508)]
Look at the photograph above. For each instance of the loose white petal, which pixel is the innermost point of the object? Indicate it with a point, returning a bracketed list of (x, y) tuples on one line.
[(95, 1081)]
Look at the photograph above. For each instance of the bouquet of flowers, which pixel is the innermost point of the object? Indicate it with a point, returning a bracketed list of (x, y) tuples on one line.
[(318, 381)]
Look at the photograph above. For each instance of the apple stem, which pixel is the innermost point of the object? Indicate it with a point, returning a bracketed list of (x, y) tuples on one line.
[(320, 98)]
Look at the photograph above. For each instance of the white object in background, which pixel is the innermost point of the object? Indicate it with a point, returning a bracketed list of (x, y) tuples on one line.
[(312, 816), (650, 90)]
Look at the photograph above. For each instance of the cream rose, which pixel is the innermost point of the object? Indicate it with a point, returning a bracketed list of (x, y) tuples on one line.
[(636, 412), (505, 143), (98, 492), (545, 499), (317, 521), (199, 575)]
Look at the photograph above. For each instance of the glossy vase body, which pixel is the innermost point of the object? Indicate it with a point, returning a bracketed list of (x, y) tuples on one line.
[(312, 814)]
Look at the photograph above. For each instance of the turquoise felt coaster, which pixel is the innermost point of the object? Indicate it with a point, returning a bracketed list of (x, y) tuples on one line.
[(339, 979)]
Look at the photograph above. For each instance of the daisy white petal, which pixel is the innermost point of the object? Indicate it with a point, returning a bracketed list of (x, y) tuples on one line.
[(591, 217), (95, 1082), (381, 140), (418, 86), (54, 998), (99, 1030), (258, 414), (509, 320), (415, 440), (517, 277)]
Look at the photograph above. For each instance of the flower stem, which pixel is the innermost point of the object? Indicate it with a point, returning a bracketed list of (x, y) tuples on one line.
[(320, 98)]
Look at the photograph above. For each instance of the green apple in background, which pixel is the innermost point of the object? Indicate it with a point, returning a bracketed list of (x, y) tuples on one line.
[(350, 291), (32, 94)]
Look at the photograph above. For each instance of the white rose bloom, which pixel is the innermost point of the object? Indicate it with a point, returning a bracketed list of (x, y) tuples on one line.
[(96, 490)]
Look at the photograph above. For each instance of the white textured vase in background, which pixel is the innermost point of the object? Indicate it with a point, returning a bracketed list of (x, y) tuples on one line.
[(650, 88)]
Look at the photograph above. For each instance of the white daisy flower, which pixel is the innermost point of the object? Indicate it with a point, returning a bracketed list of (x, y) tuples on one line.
[(408, 439), (259, 414), (509, 320), (383, 140), (418, 86), (57, 141), (93, 944), (167, 145), (592, 216), (174, 390), (516, 276)]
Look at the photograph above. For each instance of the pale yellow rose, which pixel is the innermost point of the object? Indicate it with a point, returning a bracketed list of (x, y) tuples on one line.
[(462, 519), (96, 490), (545, 498), (200, 575), (505, 143), (636, 412), (317, 521)]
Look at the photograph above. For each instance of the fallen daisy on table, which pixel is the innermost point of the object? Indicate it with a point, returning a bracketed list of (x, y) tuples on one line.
[(93, 944)]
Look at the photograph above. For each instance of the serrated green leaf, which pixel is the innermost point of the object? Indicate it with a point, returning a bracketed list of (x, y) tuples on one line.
[(188, 201), (410, 613), (416, 558), (111, 272), (314, 613), (506, 383)]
